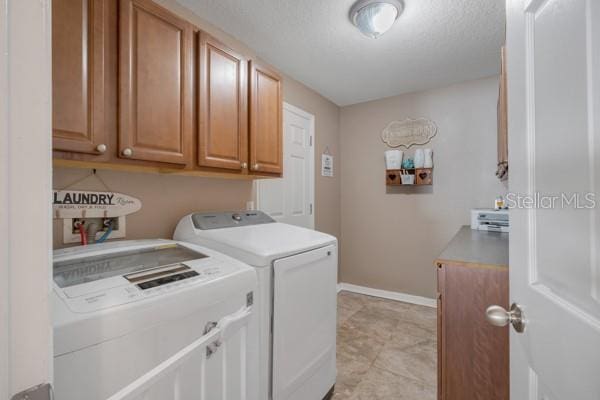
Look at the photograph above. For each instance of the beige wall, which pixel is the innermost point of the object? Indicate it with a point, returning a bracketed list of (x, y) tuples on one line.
[(166, 198), (390, 237)]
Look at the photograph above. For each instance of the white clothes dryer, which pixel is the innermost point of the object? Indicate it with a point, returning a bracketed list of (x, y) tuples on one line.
[(296, 296)]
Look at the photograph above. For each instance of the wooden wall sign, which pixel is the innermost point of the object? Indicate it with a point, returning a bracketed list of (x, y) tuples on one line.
[(85, 204), (409, 132)]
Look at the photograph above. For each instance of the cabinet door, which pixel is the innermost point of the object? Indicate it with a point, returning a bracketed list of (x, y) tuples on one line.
[(222, 109), (502, 169), (78, 71), (474, 359), (440, 332), (155, 92), (266, 132)]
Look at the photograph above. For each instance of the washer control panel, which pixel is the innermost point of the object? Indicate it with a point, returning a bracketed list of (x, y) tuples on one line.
[(205, 221), (161, 276), (125, 289)]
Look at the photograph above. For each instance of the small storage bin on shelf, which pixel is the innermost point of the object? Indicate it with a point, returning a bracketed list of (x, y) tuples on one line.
[(407, 179), (421, 177)]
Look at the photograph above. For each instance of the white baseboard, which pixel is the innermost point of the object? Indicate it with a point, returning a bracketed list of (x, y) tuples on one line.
[(386, 294)]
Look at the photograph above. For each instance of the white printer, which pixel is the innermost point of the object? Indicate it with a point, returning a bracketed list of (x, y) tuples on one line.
[(490, 220)]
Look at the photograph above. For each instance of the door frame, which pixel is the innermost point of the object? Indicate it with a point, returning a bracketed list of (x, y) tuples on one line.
[(296, 110), (25, 191)]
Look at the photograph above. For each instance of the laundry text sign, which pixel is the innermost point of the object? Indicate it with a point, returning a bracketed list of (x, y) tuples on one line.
[(85, 204)]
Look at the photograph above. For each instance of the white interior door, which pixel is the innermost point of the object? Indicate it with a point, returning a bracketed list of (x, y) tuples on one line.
[(553, 54), (25, 191), (290, 199)]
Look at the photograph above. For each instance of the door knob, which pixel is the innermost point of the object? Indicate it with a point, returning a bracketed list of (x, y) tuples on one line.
[(244, 165), (498, 316), (101, 148), (127, 152), (255, 167)]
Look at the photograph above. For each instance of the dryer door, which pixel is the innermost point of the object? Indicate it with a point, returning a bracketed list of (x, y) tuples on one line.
[(304, 324)]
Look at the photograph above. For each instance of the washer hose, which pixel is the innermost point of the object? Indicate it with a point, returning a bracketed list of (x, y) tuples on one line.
[(82, 234), (106, 234)]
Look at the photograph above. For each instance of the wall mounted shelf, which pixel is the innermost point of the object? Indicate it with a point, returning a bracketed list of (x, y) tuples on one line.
[(422, 177)]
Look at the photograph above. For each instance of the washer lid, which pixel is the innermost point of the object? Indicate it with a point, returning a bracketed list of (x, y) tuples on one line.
[(259, 245), (219, 279)]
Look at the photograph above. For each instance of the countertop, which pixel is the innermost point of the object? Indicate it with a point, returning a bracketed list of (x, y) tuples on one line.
[(481, 248)]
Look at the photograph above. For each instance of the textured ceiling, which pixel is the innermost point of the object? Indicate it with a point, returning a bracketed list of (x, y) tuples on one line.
[(433, 43)]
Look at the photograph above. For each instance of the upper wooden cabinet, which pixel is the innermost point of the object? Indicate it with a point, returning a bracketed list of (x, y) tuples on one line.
[(78, 72), (155, 89), (266, 121), (502, 170), (132, 90), (222, 106)]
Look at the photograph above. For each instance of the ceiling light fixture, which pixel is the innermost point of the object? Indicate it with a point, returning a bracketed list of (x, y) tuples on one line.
[(374, 17)]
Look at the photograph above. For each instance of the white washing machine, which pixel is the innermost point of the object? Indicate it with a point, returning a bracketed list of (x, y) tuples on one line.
[(152, 319), (296, 296)]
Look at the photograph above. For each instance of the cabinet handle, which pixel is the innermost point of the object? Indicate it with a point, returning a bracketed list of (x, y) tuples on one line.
[(244, 165), (127, 152), (256, 167), (101, 148)]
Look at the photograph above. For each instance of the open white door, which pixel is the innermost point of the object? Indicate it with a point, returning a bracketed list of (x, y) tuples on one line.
[(553, 54), (290, 199), (25, 192)]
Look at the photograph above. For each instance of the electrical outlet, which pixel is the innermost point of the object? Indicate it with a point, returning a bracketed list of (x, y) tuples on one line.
[(71, 231)]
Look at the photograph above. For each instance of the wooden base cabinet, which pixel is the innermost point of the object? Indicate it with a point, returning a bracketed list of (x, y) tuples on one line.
[(473, 356)]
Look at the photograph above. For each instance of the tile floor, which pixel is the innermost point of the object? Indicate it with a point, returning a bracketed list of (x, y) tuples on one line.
[(386, 350)]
